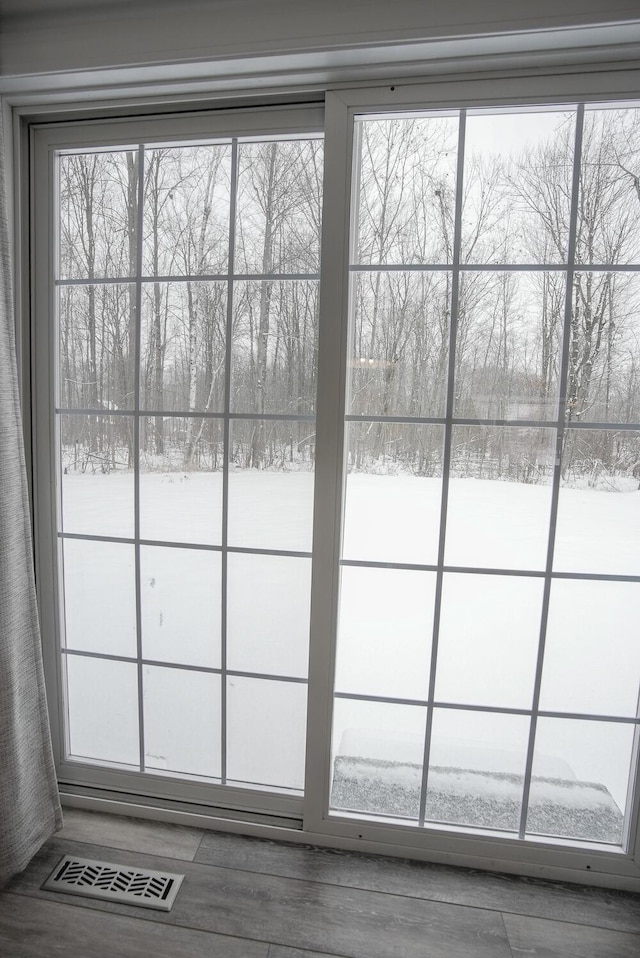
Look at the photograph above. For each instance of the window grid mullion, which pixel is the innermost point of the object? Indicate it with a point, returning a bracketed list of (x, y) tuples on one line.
[(494, 267), (225, 464), (357, 563), (184, 278), (557, 473), (185, 414), (606, 425), (136, 446), (357, 268), (446, 458), (494, 709)]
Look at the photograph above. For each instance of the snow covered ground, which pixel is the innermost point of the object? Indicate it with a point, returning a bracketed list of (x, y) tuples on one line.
[(488, 631)]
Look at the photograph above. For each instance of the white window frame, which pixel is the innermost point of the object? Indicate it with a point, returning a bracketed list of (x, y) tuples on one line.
[(589, 864)]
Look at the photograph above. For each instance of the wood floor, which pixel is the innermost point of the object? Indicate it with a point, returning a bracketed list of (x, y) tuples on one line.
[(248, 898)]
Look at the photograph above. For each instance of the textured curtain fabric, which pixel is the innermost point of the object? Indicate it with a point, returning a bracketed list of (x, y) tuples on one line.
[(29, 803)]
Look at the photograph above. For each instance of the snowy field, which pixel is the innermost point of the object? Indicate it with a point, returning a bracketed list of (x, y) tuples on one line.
[(488, 631)]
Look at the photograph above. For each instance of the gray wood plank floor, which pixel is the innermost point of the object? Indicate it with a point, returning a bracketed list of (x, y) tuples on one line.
[(250, 898)]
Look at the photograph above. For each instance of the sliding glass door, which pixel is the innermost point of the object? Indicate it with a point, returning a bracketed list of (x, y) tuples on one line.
[(337, 466), (185, 354), (488, 650)]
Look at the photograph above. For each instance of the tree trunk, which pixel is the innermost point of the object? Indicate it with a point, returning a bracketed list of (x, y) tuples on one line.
[(193, 372), (132, 234), (262, 346)]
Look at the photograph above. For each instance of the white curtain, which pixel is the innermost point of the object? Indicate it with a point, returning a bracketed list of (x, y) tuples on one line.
[(29, 802)]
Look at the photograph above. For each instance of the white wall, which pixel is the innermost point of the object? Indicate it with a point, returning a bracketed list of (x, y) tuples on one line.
[(43, 36)]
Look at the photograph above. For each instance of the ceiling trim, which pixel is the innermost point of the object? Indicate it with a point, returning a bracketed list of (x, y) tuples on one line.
[(540, 50)]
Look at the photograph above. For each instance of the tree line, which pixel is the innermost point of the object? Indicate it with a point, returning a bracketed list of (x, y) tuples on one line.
[(515, 211)]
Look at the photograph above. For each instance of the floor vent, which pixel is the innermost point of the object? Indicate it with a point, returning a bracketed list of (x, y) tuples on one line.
[(130, 886)]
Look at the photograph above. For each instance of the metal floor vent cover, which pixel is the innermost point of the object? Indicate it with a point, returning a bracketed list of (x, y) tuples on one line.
[(108, 882)]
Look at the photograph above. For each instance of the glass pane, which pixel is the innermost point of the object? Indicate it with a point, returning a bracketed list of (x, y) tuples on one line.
[(182, 721), (279, 206), (270, 633), (182, 349), (266, 732), (102, 703), (271, 484), (518, 175), (181, 605), (96, 368), (377, 757), (499, 497), (592, 653), (393, 492), (100, 597), (482, 658), (98, 213), (510, 328), (598, 527), (476, 768), (275, 347), (385, 631), (407, 183), (400, 343), (604, 348), (181, 487), (96, 458), (186, 210), (580, 779), (608, 209)]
